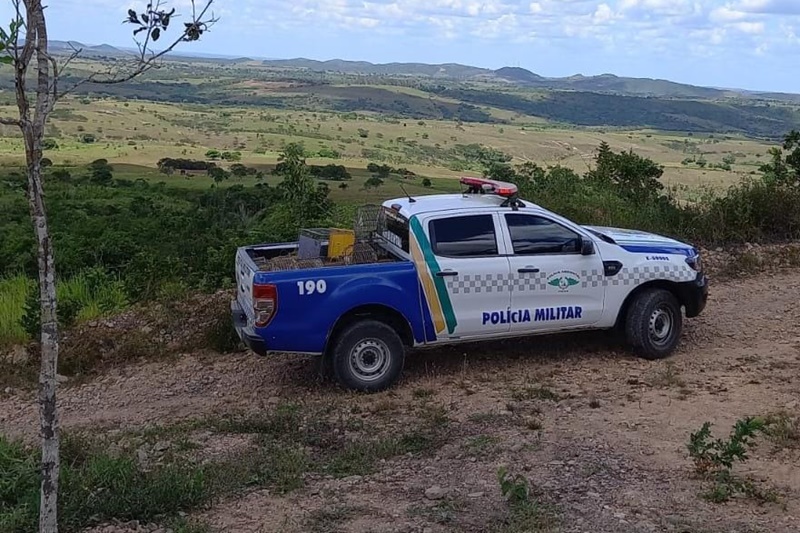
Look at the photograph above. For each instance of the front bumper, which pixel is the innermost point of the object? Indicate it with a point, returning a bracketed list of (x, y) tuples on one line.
[(694, 295), (250, 339)]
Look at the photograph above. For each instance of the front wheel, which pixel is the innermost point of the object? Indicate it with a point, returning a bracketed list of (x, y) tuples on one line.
[(654, 324), (368, 356)]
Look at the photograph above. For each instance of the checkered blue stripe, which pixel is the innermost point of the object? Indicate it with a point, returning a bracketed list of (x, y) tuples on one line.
[(479, 283), (492, 283)]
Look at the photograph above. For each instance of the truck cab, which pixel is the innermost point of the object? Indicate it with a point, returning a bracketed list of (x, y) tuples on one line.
[(479, 265)]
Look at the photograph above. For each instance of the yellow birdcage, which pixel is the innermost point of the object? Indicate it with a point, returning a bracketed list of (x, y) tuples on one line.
[(339, 242)]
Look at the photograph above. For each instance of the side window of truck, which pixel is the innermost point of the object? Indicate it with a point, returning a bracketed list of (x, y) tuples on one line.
[(463, 236), (395, 229), (533, 235)]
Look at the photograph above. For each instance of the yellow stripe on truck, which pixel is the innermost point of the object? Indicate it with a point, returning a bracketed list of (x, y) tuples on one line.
[(431, 295)]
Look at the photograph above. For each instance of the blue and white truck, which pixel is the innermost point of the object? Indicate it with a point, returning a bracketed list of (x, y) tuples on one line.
[(450, 268)]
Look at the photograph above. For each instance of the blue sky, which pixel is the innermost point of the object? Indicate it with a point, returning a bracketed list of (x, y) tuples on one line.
[(752, 44)]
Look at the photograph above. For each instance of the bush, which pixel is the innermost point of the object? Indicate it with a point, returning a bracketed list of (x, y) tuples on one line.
[(91, 294)]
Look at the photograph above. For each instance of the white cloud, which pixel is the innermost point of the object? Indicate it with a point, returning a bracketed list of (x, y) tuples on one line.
[(753, 28), (726, 14)]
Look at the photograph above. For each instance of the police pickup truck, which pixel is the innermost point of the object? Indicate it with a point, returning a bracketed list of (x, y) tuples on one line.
[(475, 266)]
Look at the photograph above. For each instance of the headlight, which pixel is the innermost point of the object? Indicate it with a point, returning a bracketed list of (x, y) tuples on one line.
[(695, 262)]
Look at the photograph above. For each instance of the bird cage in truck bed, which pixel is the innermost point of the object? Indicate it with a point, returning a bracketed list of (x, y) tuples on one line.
[(327, 243)]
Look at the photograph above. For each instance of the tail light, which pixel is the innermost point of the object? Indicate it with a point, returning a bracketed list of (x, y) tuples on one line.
[(265, 303)]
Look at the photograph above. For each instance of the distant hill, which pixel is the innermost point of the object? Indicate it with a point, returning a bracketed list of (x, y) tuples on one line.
[(448, 70), (518, 75), (604, 83)]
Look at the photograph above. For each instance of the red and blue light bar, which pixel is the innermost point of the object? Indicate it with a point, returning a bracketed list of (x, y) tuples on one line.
[(500, 188)]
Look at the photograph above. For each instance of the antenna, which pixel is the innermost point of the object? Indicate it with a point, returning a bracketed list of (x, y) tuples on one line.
[(410, 199)]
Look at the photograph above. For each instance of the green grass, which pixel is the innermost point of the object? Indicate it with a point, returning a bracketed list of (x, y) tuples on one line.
[(89, 295), (96, 485), (13, 292)]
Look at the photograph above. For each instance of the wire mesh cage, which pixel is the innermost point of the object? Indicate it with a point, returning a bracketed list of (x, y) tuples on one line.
[(363, 253), (367, 221), (290, 262)]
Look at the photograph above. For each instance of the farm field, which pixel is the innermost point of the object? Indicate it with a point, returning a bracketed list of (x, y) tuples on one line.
[(137, 134)]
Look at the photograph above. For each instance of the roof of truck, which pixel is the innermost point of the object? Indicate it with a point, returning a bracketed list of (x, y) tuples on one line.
[(445, 202)]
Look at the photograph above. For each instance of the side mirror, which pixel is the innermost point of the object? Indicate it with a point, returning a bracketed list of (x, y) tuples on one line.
[(587, 247)]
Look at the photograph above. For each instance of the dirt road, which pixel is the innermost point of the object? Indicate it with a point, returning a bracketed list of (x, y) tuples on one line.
[(601, 435)]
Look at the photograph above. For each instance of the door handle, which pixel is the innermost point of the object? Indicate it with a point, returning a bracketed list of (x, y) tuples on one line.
[(447, 273), (528, 270)]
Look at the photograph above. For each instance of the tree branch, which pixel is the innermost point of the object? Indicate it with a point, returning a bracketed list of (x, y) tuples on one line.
[(146, 64), (9, 121), (143, 63)]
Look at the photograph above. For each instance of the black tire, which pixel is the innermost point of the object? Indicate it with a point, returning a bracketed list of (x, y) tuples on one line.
[(324, 366), (368, 356), (654, 324)]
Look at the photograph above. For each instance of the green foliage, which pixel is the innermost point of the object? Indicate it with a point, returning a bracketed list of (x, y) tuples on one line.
[(784, 170), (96, 485), (526, 515), (515, 489), (90, 294), (304, 201), (49, 144), (426, 182), (712, 455), (714, 458), (632, 176), (213, 154), (330, 172), (100, 172), (14, 291), (373, 182), (218, 174), (623, 190), (87, 138), (329, 153)]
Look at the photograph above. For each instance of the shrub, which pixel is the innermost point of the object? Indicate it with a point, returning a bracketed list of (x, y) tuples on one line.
[(714, 458)]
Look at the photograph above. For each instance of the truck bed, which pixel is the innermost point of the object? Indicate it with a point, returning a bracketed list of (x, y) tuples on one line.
[(284, 256)]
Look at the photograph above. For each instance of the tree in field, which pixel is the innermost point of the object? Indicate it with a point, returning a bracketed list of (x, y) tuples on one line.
[(632, 175), (784, 170), (373, 182), (426, 182), (24, 47), (306, 199), (213, 154), (218, 174)]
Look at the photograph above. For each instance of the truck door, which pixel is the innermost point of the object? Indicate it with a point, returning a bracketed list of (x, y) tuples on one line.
[(554, 285), (464, 276)]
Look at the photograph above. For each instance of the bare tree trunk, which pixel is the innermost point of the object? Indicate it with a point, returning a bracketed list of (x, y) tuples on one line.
[(33, 132), (30, 18)]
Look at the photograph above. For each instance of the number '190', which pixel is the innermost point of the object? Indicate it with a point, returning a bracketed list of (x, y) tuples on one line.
[(311, 286)]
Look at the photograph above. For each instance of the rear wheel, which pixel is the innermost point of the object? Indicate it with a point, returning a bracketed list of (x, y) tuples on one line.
[(654, 324), (368, 356)]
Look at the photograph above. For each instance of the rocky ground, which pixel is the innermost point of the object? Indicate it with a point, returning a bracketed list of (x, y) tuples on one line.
[(600, 435)]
